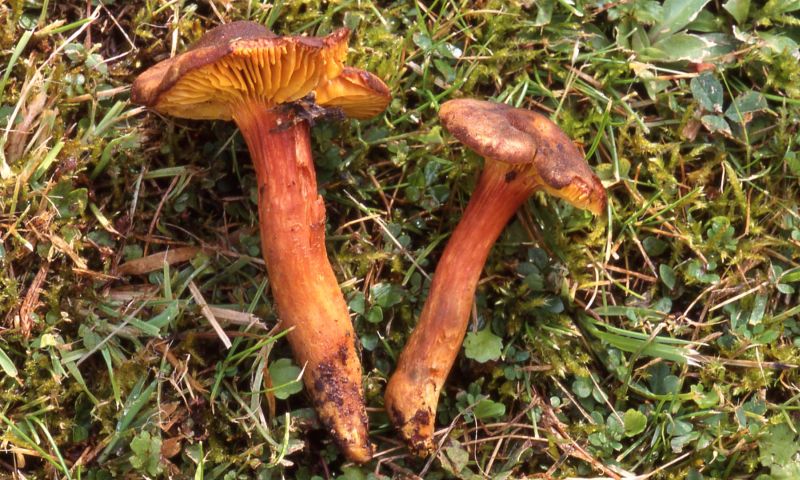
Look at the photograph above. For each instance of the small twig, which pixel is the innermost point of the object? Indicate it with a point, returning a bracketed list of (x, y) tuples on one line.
[(98, 95), (740, 296), (201, 302), (162, 348), (31, 300), (642, 276), (157, 213), (501, 437)]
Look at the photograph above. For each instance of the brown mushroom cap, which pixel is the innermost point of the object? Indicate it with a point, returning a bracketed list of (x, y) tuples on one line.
[(525, 138), (358, 93), (236, 62)]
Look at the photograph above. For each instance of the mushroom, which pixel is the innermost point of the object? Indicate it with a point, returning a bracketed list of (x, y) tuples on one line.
[(524, 152), (243, 72)]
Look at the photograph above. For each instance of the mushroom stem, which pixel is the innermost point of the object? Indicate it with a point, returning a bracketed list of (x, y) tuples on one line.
[(307, 295), (413, 390)]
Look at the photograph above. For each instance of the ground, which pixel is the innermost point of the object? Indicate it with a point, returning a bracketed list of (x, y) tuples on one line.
[(661, 339)]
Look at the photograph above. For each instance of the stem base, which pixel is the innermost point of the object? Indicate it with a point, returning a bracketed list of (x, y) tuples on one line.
[(412, 393)]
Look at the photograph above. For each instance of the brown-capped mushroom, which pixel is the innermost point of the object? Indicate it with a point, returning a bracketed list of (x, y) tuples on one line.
[(243, 72), (524, 152)]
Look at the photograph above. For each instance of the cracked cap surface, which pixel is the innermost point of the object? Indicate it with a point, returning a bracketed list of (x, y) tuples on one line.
[(244, 61), (522, 137)]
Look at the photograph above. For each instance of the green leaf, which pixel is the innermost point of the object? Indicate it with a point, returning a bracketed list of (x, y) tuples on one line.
[(553, 304), (448, 50), (696, 270), (648, 12), (483, 346), (369, 341), (707, 90), (775, 8), (738, 9), (47, 161), (535, 281), (681, 46), (678, 443), (715, 123), (662, 382), (707, 22), (386, 295), (375, 314), (779, 43), (679, 427), (654, 246), (676, 14), (778, 446), (166, 316), (704, 399), (422, 40), (351, 473), (488, 409), (582, 387), (635, 422), (720, 234), (357, 303), (790, 471), (146, 453), (544, 12), (791, 276), (445, 69), (694, 475), (69, 203), (285, 377), (667, 275), (759, 308), (793, 162), (7, 365), (456, 459), (745, 105)]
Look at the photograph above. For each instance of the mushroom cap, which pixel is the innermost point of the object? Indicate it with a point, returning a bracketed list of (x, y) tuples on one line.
[(358, 93), (525, 138), (237, 62)]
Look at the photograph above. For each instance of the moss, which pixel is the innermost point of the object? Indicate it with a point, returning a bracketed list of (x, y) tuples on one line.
[(178, 183)]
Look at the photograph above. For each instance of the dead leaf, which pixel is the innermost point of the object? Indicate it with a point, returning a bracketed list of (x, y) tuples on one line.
[(154, 262), (170, 447), (691, 129), (67, 249)]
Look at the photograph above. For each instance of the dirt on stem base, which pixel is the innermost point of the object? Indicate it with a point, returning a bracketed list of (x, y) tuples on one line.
[(413, 390), (306, 292)]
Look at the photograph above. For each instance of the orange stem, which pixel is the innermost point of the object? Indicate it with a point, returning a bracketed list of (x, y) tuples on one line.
[(307, 295), (413, 390)]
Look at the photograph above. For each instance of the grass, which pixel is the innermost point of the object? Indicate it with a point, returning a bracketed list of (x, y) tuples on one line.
[(659, 342)]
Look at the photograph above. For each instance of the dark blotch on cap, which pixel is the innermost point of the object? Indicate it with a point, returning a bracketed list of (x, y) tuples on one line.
[(522, 137), (515, 135)]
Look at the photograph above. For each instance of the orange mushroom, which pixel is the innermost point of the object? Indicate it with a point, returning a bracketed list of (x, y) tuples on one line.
[(243, 72), (524, 152)]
